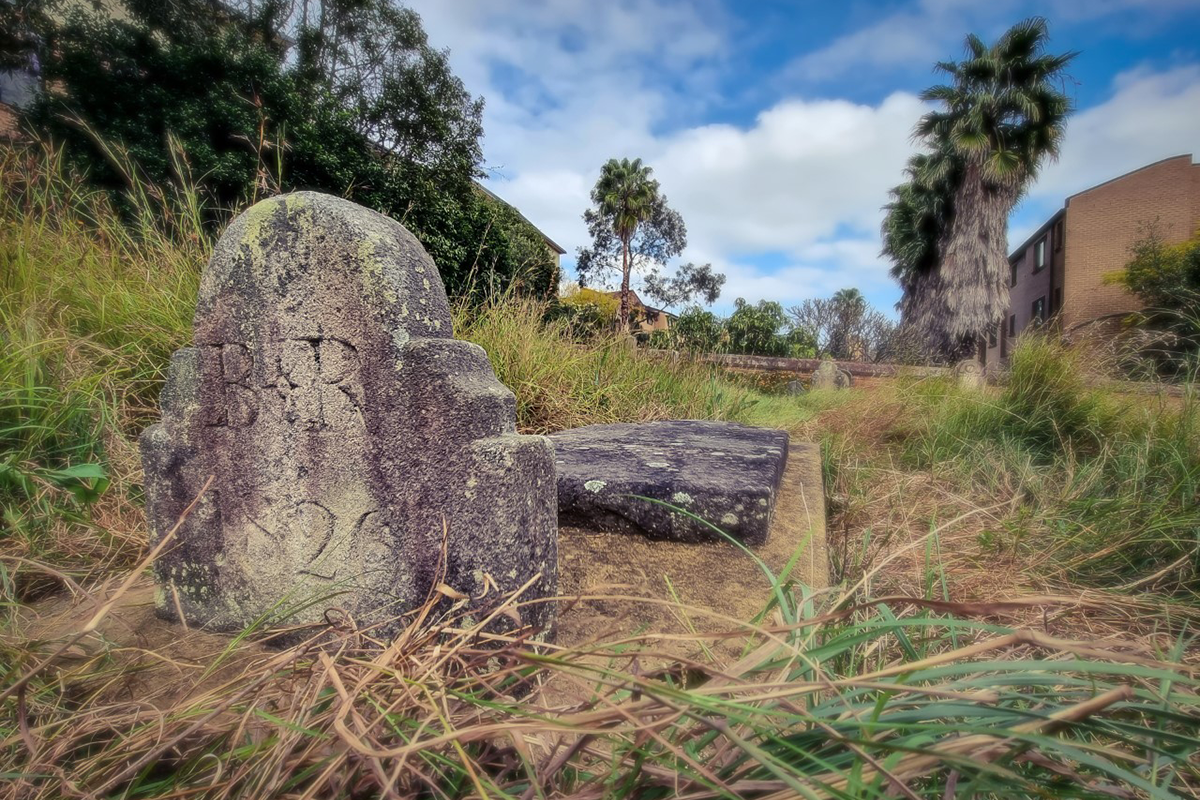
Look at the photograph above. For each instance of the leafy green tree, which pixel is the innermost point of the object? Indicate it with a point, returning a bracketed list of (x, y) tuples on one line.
[(1165, 276), (755, 329), (1003, 114), (698, 331), (634, 230), (350, 100)]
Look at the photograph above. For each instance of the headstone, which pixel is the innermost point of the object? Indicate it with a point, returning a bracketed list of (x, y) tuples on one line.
[(696, 474), (829, 376), (360, 455), (969, 373), (795, 387)]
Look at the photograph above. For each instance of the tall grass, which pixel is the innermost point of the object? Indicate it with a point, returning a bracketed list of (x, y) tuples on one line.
[(92, 302), (562, 382), (1111, 481)]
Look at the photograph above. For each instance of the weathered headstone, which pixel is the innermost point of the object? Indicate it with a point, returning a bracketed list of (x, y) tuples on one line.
[(360, 455), (969, 373), (721, 474), (795, 387), (829, 376)]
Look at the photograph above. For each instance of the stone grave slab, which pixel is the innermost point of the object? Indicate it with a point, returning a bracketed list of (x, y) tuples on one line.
[(617, 584), (359, 455), (724, 473)]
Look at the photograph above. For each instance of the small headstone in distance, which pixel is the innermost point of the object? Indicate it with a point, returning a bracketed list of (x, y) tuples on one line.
[(969, 373), (360, 455), (829, 376), (795, 387)]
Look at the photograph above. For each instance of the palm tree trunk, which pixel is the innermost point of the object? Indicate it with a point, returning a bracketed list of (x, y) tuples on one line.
[(623, 317), (974, 275)]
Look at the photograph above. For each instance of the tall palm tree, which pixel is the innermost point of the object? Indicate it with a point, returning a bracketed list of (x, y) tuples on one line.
[(625, 193), (1004, 113)]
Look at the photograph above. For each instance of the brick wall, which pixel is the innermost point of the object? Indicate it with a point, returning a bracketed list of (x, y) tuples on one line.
[(1103, 222), (1031, 284)]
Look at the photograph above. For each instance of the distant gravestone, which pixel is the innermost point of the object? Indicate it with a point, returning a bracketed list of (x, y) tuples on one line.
[(360, 455), (795, 387), (828, 376), (969, 373)]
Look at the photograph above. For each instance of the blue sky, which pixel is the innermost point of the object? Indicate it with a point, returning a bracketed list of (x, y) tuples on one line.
[(777, 127)]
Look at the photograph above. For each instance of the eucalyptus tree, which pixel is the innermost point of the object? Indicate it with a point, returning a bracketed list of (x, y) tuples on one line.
[(1002, 114)]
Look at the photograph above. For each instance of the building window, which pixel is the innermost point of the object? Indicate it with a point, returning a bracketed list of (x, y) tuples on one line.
[(1003, 341), (1038, 311), (1012, 325), (1039, 254), (1059, 233), (992, 337), (1012, 268)]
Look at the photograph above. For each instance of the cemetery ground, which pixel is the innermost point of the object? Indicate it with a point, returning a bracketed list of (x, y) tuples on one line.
[(1011, 609)]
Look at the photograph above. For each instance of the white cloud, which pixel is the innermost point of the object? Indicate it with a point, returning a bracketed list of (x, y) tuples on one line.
[(1150, 116), (912, 37), (806, 171), (788, 206)]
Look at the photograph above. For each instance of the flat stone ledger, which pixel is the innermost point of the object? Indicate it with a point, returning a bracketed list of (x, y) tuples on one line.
[(721, 473), (359, 454)]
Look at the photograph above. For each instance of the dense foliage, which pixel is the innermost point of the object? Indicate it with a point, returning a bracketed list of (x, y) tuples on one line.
[(253, 98), (1166, 276)]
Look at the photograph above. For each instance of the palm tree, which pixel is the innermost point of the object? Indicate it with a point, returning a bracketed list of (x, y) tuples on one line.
[(1003, 115), (625, 193)]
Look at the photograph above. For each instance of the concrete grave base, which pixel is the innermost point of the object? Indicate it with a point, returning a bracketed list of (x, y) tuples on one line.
[(713, 577)]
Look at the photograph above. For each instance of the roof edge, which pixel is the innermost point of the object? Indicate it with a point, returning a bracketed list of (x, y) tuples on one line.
[(553, 245), (1189, 156), (1037, 234)]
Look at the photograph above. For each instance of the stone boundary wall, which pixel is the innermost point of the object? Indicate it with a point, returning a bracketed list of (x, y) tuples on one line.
[(869, 371), (859, 369)]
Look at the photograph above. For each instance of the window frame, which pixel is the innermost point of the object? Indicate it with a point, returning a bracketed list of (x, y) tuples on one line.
[(1039, 255), (1036, 316)]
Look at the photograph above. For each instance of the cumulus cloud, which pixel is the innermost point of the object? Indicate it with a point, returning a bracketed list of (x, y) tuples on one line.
[(1150, 116), (788, 204)]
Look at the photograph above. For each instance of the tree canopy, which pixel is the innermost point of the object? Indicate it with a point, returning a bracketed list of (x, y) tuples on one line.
[(262, 96)]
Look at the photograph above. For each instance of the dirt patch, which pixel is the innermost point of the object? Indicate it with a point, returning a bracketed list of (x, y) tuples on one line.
[(132, 655)]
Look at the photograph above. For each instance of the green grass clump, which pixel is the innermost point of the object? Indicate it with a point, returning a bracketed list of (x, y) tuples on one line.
[(92, 303), (562, 382), (1111, 481)]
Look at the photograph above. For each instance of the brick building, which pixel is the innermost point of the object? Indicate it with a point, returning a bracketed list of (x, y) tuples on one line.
[(1058, 273)]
